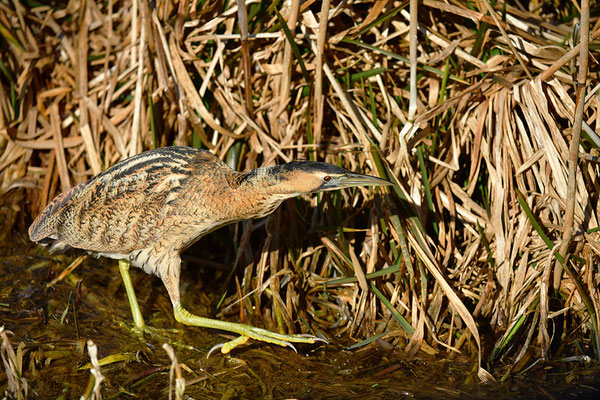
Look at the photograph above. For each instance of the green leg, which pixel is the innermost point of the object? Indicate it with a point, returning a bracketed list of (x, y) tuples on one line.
[(135, 308), (246, 331)]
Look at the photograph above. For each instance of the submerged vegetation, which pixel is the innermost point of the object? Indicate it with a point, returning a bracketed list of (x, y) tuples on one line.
[(484, 249)]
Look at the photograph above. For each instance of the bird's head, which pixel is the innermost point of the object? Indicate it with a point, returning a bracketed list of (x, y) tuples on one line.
[(303, 177), (275, 184)]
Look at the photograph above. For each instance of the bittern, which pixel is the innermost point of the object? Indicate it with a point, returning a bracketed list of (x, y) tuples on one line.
[(147, 209)]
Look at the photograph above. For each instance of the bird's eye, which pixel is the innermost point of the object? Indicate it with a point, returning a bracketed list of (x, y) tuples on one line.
[(327, 178)]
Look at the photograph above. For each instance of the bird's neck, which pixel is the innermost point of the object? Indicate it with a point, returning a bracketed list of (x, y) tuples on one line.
[(264, 180), (261, 190)]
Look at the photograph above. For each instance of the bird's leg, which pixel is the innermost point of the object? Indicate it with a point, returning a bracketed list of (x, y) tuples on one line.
[(133, 303), (245, 331)]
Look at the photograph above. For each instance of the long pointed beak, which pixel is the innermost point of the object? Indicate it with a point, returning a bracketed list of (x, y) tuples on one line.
[(352, 179)]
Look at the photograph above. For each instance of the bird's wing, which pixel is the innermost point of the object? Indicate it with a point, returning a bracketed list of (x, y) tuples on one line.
[(145, 201)]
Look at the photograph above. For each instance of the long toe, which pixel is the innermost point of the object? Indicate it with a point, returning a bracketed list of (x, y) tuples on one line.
[(245, 331), (263, 335)]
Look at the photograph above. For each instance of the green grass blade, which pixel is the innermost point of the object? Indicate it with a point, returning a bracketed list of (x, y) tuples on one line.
[(295, 49), (403, 322), (425, 178)]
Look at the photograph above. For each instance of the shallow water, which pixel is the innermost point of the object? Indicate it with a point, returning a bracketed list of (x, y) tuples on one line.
[(55, 323)]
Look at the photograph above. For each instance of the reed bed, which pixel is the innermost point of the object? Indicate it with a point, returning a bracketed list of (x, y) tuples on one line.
[(462, 256)]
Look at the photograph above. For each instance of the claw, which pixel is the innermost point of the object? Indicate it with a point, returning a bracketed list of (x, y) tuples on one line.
[(318, 339), (288, 344), (215, 347), (315, 338)]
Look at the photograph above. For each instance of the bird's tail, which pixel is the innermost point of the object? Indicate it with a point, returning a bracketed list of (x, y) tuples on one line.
[(43, 228)]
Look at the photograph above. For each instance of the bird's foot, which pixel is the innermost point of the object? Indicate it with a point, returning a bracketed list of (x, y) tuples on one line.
[(263, 335), (245, 331)]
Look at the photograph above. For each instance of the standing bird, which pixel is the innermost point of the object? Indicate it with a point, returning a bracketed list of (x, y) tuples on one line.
[(147, 209)]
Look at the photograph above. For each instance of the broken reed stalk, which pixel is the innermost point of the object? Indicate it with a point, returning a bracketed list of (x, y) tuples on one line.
[(573, 159), (174, 374), (93, 391), (286, 64), (246, 62), (319, 101), (413, 27), (569, 222)]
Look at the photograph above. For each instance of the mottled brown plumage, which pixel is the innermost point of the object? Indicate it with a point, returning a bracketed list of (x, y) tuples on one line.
[(151, 207)]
